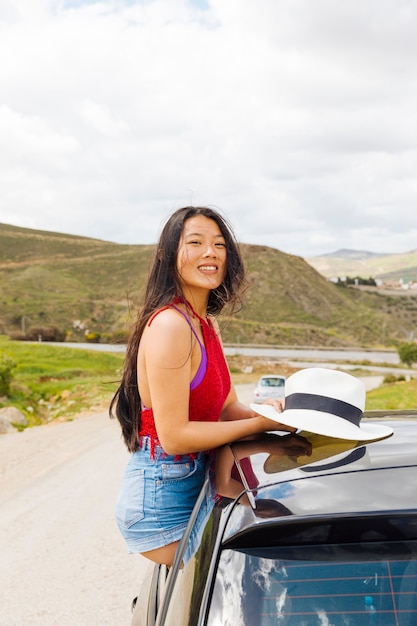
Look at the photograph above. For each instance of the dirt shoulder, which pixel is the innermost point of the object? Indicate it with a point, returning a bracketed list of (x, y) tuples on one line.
[(62, 559)]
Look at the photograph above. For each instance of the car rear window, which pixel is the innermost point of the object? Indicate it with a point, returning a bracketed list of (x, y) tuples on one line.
[(333, 585), (272, 382)]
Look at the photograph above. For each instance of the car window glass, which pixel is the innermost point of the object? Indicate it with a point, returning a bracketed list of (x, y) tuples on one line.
[(355, 587), (272, 382), (276, 382)]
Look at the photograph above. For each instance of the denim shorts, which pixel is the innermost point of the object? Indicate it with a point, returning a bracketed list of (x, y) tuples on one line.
[(157, 496)]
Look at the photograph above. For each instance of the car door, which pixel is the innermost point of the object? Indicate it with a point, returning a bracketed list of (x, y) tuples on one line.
[(176, 606)]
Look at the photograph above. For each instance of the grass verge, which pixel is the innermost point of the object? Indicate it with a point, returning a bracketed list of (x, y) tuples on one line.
[(51, 382), (399, 395)]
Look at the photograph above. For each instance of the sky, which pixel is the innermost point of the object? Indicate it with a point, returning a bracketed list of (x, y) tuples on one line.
[(297, 119)]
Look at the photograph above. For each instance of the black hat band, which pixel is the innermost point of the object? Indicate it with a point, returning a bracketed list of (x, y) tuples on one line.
[(324, 404)]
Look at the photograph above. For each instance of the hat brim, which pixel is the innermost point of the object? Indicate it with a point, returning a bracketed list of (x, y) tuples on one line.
[(322, 423)]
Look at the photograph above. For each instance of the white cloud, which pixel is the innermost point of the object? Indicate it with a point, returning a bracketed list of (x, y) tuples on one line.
[(298, 119), (101, 119)]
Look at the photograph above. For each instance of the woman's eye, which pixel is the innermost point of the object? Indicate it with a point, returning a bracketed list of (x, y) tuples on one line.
[(220, 245)]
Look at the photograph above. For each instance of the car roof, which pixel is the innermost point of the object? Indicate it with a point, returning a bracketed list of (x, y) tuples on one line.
[(365, 479), (272, 376)]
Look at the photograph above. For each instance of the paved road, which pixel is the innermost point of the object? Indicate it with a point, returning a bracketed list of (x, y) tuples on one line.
[(62, 561), (310, 354), (316, 355)]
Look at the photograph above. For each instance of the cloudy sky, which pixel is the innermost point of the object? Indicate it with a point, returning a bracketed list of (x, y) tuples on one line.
[(296, 118)]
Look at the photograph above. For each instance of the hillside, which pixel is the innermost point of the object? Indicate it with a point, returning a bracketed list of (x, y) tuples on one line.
[(367, 264), (53, 279)]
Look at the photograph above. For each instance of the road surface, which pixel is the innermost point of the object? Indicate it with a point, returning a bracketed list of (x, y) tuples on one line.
[(62, 561)]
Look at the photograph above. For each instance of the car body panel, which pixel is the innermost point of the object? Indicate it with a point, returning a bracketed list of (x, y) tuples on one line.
[(351, 516)]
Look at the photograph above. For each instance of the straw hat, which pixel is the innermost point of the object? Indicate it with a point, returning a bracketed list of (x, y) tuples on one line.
[(326, 402)]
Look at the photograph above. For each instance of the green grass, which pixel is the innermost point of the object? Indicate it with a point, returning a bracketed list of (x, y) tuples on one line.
[(393, 396), (51, 382)]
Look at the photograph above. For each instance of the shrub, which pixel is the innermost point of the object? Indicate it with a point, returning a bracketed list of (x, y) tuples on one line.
[(408, 353), (7, 365), (117, 337), (392, 379), (45, 333), (93, 337), (17, 336)]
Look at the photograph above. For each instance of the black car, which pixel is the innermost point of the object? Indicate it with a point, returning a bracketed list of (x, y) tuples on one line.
[(322, 533)]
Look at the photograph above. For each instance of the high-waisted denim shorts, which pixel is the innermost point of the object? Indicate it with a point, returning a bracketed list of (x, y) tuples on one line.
[(157, 496)]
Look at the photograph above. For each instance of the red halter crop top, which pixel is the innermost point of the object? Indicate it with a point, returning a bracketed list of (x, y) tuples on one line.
[(209, 387)]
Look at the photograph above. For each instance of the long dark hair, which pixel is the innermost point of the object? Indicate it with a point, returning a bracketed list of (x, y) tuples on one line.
[(162, 288)]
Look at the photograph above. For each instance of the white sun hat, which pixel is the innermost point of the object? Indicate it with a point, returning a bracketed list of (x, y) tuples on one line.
[(326, 402)]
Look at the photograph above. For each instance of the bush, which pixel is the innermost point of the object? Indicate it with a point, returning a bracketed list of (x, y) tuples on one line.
[(117, 337), (17, 336), (93, 337), (391, 378), (40, 333), (408, 353), (7, 365)]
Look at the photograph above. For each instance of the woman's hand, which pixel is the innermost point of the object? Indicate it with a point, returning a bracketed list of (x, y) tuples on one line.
[(278, 404)]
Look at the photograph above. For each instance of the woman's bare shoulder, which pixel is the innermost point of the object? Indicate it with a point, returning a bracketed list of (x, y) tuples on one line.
[(167, 338), (167, 325), (168, 318)]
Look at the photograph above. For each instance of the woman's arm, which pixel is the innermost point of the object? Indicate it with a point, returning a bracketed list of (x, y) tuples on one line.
[(235, 410), (165, 363)]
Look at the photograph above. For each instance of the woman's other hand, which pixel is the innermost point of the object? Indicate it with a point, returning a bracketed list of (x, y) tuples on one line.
[(277, 403)]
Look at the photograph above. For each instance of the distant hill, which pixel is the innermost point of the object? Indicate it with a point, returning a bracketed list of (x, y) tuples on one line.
[(353, 255), (78, 283), (367, 264)]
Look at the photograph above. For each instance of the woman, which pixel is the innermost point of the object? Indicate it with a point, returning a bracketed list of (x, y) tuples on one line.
[(176, 401)]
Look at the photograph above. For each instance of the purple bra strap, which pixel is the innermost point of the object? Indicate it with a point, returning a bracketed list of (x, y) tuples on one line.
[(202, 368)]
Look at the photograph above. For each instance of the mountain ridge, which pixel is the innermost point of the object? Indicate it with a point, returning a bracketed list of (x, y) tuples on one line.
[(81, 283), (349, 253), (363, 263)]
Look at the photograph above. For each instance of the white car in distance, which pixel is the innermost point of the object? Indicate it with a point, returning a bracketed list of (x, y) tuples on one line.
[(269, 386)]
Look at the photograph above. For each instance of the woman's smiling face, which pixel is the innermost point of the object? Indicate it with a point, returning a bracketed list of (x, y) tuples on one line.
[(201, 257)]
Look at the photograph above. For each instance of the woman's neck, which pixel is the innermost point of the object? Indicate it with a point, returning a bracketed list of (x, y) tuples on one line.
[(198, 302)]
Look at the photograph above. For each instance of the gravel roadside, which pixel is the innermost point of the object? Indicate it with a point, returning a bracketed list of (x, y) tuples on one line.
[(62, 559)]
